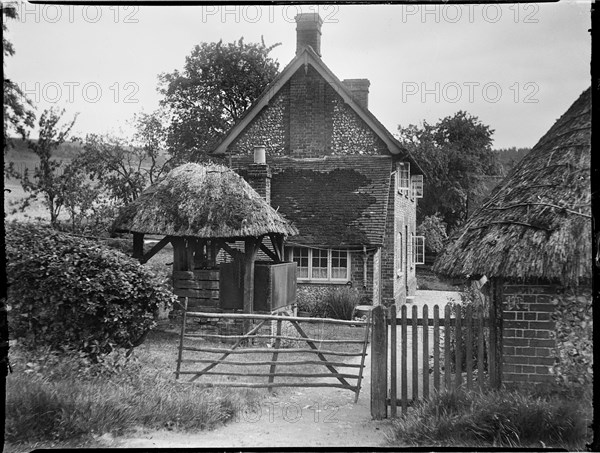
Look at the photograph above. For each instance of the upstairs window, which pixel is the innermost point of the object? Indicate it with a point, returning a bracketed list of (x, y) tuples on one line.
[(417, 186), (403, 178), (418, 250), (324, 265)]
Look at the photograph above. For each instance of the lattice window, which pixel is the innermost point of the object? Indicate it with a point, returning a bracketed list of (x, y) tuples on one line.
[(418, 249), (403, 177), (417, 186)]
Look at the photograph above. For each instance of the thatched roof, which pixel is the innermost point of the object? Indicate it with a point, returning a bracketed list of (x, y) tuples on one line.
[(537, 222), (206, 201)]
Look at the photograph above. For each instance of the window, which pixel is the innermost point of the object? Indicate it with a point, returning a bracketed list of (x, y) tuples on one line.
[(321, 264), (418, 249), (403, 177), (339, 264), (417, 186), (400, 256), (300, 257)]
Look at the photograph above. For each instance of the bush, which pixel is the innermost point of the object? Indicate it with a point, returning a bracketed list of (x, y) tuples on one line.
[(340, 302), (497, 418), (70, 293), (434, 229), (470, 296)]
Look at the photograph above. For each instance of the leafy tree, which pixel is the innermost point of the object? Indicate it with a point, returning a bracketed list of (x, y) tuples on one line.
[(18, 113), (218, 83), (455, 155), (434, 229), (126, 166), (151, 136), (116, 164), (48, 178), (509, 157)]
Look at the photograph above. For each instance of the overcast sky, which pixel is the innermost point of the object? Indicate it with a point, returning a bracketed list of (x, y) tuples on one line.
[(516, 67)]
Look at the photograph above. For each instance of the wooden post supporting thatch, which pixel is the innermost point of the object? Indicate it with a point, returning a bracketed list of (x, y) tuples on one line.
[(251, 246)]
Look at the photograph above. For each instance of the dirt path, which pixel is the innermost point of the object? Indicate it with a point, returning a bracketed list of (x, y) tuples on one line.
[(313, 417)]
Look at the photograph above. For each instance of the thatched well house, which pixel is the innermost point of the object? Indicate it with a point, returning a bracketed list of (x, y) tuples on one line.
[(334, 170), (201, 210), (532, 238)]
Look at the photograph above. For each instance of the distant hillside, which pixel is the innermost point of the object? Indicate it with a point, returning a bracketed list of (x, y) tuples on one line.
[(509, 157), (65, 151)]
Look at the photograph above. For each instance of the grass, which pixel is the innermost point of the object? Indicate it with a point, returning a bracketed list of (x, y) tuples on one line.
[(499, 419), (53, 399)]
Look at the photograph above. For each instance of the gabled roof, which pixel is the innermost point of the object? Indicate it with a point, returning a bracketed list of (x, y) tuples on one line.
[(205, 201), (537, 222), (305, 57), (334, 201)]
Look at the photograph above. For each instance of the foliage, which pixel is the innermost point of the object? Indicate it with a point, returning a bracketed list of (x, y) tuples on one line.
[(69, 293), (151, 136), (218, 83), (455, 155), (509, 157), (434, 229), (337, 303), (116, 164), (574, 327), (470, 295), (18, 113), (340, 302), (498, 418), (58, 397), (49, 179)]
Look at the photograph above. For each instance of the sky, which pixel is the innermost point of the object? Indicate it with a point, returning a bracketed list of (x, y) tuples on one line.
[(517, 67)]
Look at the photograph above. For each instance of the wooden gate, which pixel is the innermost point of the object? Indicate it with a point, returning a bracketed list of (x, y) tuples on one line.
[(250, 337), (430, 353)]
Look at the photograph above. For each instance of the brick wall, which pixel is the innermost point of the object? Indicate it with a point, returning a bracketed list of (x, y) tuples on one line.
[(308, 118), (529, 338), (267, 128), (388, 265), (400, 223)]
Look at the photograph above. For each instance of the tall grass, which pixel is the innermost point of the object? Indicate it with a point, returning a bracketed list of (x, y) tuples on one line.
[(499, 418), (56, 398)]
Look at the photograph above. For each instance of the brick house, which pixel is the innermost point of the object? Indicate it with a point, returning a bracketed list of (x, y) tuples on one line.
[(310, 146), (532, 239)]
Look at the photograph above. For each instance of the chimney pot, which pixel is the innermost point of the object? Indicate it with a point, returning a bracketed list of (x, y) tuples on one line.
[(308, 32)]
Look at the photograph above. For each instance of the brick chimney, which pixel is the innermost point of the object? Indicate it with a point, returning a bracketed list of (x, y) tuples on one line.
[(259, 174), (360, 90), (308, 32)]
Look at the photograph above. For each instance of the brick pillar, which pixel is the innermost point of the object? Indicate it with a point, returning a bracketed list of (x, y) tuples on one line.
[(529, 334), (259, 177)]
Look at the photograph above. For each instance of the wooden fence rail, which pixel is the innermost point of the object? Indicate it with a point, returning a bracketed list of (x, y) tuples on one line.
[(434, 354), (242, 346)]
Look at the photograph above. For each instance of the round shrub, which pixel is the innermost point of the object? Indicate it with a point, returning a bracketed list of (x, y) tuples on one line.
[(71, 293)]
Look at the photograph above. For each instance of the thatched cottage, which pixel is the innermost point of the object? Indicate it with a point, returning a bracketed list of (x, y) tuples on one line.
[(532, 239), (326, 163)]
